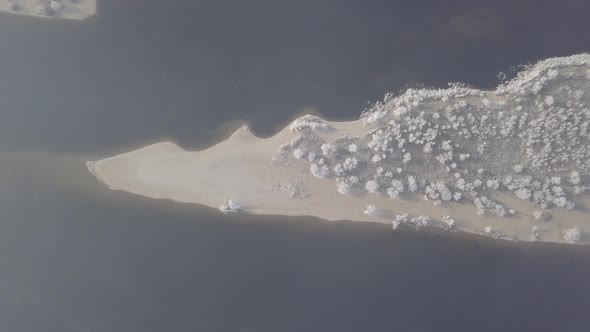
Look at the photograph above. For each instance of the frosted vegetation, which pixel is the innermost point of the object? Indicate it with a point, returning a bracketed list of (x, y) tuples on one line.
[(40, 7), (528, 138), (232, 205)]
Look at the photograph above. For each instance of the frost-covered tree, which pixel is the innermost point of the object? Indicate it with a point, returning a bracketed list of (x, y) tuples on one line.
[(232, 205), (400, 219), (572, 235), (370, 210), (320, 171), (376, 158), (372, 186), (575, 177), (328, 149), (448, 222), (531, 139), (396, 188), (309, 123), (407, 157), (56, 5), (523, 194), (549, 100), (299, 153), (493, 184), (420, 221), (344, 188), (412, 184), (535, 236), (350, 164)]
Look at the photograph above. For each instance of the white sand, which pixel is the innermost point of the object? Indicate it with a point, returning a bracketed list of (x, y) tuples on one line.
[(70, 10), (263, 175)]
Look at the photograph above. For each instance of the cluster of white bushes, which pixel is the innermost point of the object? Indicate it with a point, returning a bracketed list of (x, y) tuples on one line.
[(405, 219), (572, 235), (529, 138), (232, 205), (309, 122)]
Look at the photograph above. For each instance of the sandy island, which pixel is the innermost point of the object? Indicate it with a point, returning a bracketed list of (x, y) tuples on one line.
[(61, 9), (512, 163)]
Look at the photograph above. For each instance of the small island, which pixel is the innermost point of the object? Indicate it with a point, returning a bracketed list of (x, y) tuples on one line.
[(63, 9), (512, 163)]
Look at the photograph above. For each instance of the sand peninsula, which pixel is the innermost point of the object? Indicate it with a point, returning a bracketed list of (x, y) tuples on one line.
[(61, 9), (512, 163)]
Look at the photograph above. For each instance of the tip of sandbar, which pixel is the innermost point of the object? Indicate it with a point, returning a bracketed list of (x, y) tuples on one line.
[(93, 168)]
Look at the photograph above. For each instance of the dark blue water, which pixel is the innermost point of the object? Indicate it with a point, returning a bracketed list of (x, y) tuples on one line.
[(76, 257), (140, 71)]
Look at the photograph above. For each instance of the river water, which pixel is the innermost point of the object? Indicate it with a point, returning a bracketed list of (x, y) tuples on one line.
[(75, 256)]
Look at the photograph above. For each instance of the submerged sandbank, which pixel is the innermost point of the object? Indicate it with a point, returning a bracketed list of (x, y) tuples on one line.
[(511, 163), (59, 9)]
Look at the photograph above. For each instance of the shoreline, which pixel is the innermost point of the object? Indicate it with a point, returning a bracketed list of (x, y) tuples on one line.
[(275, 175), (459, 234), (56, 176)]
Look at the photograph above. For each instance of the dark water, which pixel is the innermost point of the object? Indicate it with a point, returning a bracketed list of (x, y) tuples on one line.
[(77, 257), (141, 71)]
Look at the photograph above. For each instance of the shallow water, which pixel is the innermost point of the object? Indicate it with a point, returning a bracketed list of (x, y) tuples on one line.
[(77, 257)]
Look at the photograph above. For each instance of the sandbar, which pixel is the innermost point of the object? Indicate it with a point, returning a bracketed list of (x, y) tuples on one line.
[(512, 163)]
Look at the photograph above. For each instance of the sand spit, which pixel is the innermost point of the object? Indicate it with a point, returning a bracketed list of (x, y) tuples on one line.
[(59, 9), (510, 164)]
